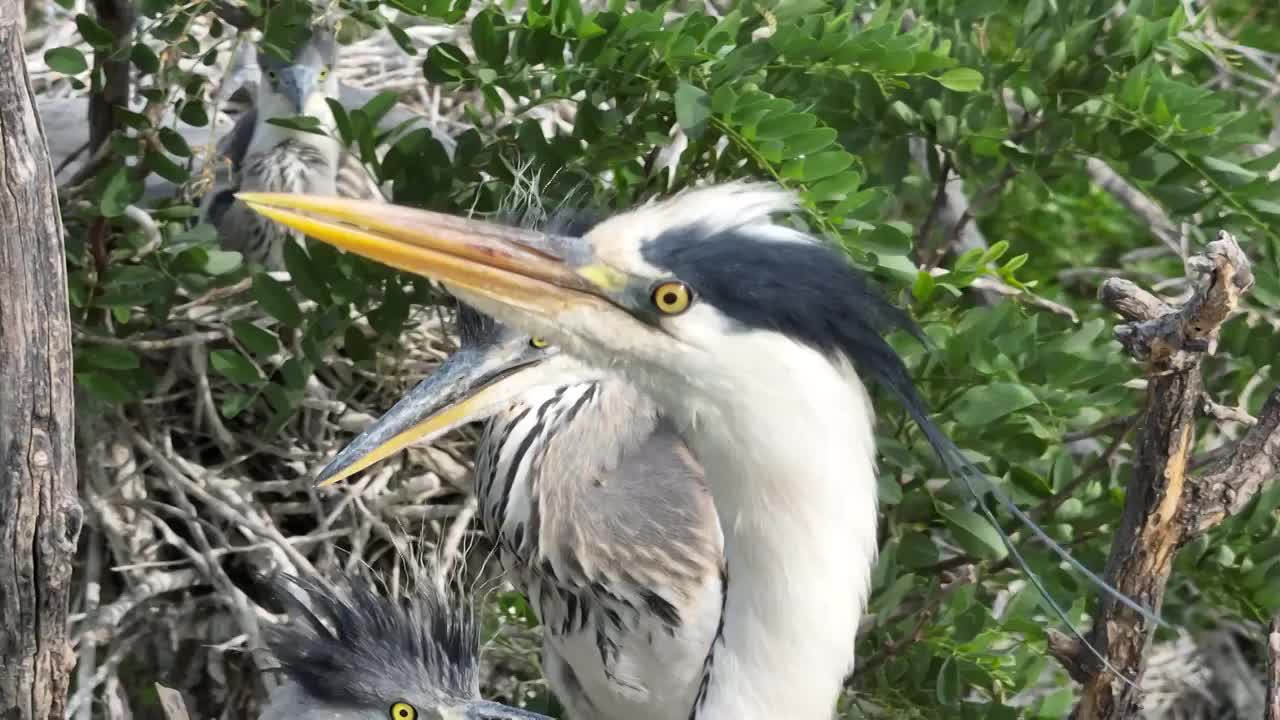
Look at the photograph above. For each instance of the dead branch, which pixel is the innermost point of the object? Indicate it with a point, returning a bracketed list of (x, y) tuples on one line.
[(1165, 505), (1273, 671), (175, 708), (1151, 214), (1229, 484)]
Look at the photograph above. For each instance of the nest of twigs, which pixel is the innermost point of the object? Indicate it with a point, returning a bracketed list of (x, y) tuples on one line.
[(190, 515)]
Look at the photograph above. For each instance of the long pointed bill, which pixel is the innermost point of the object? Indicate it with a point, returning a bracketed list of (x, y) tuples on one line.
[(471, 385), (485, 710), (509, 265)]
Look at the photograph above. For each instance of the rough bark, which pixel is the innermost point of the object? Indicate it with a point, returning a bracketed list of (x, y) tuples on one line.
[(39, 513), (1166, 506)]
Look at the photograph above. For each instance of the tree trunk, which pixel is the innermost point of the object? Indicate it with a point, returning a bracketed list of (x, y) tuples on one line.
[(39, 513)]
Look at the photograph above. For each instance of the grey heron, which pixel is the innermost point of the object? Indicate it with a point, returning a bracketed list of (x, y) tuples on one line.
[(752, 337), (598, 509), (267, 157), (349, 652)]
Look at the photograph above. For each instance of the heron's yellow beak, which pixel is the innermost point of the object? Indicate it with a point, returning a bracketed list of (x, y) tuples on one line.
[(508, 265)]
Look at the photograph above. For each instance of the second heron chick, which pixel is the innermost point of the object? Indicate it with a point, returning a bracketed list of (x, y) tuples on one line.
[(350, 652), (269, 157), (599, 511)]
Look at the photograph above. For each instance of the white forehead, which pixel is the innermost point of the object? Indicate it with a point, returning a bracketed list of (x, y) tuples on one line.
[(703, 212)]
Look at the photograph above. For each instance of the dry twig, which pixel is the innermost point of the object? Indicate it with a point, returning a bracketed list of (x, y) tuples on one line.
[(1166, 506)]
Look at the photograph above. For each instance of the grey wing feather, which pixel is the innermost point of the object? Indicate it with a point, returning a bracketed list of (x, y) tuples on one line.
[(647, 521), (235, 144), (354, 180)]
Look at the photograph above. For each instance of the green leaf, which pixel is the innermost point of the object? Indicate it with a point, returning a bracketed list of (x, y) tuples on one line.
[(301, 123), (193, 113), (489, 39), (104, 386), (693, 110), (947, 687), (784, 125), (825, 164), (358, 346), (961, 79), (1225, 167), (917, 550), (723, 100), (66, 60), (885, 240), (235, 403), (379, 106), (402, 38), (972, 532), (174, 142), (221, 262), (984, 403), (93, 33), (258, 341), (305, 278), (274, 297), (445, 63), (109, 357), (120, 192), (144, 58), (810, 141), (234, 366)]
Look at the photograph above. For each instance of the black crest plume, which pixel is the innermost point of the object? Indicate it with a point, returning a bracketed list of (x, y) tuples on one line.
[(349, 643), (824, 301)]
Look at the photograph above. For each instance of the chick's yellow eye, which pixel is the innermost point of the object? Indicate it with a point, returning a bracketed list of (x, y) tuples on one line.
[(324, 73), (538, 342), (672, 297), (403, 711)]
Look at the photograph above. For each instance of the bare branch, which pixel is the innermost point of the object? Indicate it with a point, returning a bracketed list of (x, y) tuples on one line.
[(1165, 505), (997, 286), (1218, 411), (1231, 482), (1130, 301), (1174, 341), (1273, 671), (1151, 214), (175, 708)]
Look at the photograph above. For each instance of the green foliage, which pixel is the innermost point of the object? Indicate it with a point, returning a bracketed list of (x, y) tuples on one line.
[(825, 99)]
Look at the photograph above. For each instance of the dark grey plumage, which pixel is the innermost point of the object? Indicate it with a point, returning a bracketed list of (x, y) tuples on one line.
[(353, 644), (351, 652), (266, 157)]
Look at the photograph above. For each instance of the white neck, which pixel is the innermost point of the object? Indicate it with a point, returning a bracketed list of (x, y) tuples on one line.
[(796, 492)]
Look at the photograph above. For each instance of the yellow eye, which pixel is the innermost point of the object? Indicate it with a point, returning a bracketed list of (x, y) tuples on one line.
[(672, 297), (538, 342), (324, 73), (403, 711)]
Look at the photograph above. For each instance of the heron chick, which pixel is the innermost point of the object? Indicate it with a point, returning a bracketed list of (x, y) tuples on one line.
[(351, 653), (267, 157)]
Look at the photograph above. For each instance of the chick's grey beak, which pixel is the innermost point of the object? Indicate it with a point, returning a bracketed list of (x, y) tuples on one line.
[(484, 710), (297, 82)]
